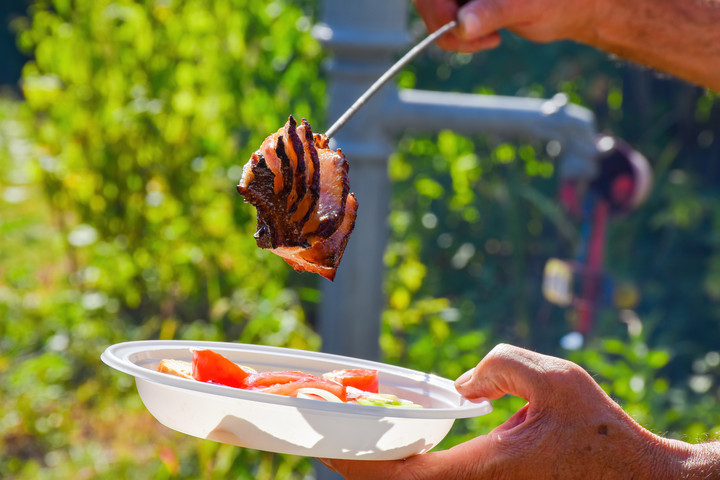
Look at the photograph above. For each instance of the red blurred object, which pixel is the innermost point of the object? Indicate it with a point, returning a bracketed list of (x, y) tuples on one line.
[(624, 177), (622, 182)]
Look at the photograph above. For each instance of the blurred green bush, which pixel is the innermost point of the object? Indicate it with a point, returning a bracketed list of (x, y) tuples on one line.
[(119, 221)]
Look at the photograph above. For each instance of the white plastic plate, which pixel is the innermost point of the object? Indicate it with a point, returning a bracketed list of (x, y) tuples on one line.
[(297, 426)]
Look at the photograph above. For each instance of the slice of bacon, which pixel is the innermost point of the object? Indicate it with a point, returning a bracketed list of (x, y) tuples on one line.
[(301, 191)]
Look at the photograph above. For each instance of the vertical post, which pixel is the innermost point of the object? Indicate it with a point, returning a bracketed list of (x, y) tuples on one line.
[(363, 38)]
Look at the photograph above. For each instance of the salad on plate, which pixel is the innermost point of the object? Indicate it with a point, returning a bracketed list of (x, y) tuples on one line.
[(358, 385)]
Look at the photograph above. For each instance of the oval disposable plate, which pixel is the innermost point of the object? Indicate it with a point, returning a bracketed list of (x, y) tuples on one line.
[(292, 425)]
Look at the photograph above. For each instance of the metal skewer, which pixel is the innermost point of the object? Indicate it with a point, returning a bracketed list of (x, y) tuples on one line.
[(392, 71)]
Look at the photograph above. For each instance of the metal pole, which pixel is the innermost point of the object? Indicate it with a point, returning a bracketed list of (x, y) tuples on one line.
[(542, 119)]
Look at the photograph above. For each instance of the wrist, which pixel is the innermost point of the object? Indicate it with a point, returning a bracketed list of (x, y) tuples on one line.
[(681, 460)]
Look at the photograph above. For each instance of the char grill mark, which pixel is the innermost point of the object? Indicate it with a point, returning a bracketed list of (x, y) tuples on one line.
[(334, 188), (283, 170), (296, 155), (262, 196), (307, 204), (273, 229)]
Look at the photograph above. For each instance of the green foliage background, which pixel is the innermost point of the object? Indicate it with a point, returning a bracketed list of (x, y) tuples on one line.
[(119, 220)]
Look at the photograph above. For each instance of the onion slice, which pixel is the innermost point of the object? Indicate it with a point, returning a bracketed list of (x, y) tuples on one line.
[(354, 393), (313, 393)]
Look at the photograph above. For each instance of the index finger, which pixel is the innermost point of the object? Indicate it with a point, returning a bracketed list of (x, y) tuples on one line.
[(435, 14)]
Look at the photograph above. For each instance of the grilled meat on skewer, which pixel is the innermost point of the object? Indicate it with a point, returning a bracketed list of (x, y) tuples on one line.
[(300, 189)]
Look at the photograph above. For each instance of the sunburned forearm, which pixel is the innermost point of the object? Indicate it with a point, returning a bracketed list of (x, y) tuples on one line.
[(681, 37)]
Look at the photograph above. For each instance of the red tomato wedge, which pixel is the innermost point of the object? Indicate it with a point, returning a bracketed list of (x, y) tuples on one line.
[(290, 389), (209, 366), (361, 378)]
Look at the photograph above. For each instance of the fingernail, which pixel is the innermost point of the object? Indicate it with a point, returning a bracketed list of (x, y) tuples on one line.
[(470, 26), (464, 378)]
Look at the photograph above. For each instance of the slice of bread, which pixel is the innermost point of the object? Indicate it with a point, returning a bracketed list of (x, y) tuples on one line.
[(179, 368)]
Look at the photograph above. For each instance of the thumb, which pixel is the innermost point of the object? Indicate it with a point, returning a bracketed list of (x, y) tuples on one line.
[(512, 370), (480, 18)]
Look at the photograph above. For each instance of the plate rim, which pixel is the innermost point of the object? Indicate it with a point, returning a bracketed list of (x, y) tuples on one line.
[(117, 356)]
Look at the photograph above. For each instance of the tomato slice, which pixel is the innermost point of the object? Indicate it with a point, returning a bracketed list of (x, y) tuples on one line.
[(290, 389), (269, 379), (209, 366), (361, 378)]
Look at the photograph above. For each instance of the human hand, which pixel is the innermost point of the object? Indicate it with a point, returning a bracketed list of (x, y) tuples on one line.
[(569, 429), (480, 20)]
